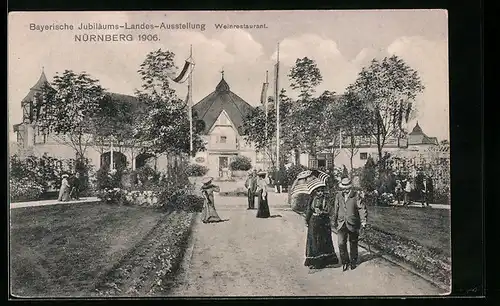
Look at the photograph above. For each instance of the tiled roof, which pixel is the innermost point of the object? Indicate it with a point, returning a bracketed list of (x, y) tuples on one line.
[(418, 137), (36, 88), (210, 107)]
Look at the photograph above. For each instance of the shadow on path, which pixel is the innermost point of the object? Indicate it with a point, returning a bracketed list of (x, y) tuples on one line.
[(367, 257), (219, 221)]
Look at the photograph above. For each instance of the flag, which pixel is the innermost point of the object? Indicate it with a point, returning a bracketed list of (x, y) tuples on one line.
[(185, 72), (263, 94)]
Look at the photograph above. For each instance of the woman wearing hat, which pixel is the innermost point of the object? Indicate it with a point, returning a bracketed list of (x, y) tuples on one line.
[(263, 211), (320, 251), (209, 213), (64, 190)]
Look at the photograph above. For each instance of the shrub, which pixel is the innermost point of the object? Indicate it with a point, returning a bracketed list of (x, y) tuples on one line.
[(292, 172), (240, 163), (368, 176), (196, 170), (112, 196), (185, 202), (385, 199), (147, 176), (25, 189)]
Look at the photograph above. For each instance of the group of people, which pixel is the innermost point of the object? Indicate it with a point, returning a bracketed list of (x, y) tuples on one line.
[(255, 185), (70, 187), (404, 188), (346, 212)]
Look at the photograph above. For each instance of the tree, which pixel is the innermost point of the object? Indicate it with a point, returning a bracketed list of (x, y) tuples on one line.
[(353, 119), (309, 116), (114, 119), (163, 120), (305, 76), (331, 123), (68, 108), (387, 89), (254, 128), (345, 172), (305, 115), (368, 176)]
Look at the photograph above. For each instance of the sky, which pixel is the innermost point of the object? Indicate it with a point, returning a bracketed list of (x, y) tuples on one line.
[(341, 43)]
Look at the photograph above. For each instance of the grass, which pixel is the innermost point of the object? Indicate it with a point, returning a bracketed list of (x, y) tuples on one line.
[(63, 250), (429, 227)]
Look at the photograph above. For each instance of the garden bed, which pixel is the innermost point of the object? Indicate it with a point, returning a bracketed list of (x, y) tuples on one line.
[(62, 250), (426, 260), (151, 267)]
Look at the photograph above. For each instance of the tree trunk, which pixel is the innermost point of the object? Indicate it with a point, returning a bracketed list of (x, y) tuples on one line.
[(351, 164), (297, 156)]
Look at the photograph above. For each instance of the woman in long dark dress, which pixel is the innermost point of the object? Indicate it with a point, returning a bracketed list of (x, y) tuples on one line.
[(263, 211), (209, 214), (320, 251)]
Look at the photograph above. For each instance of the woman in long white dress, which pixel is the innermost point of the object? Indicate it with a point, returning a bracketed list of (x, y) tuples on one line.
[(64, 190)]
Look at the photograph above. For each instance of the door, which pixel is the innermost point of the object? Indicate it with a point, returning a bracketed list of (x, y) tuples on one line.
[(223, 165)]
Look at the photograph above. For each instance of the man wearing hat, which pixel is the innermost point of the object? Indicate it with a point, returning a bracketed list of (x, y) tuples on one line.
[(349, 216), (251, 186)]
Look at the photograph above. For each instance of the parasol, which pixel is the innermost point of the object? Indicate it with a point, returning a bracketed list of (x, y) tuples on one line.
[(307, 181)]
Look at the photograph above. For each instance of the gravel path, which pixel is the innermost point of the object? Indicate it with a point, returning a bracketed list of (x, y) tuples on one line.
[(247, 256)]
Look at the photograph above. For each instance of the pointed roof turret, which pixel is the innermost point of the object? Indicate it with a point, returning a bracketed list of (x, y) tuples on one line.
[(222, 99), (41, 82), (222, 86), (417, 130), (417, 137), (37, 88)]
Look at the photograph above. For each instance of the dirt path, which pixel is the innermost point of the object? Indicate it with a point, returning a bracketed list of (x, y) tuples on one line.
[(247, 256)]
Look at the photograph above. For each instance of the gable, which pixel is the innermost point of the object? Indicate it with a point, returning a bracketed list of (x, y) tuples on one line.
[(235, 108), (223, 119)]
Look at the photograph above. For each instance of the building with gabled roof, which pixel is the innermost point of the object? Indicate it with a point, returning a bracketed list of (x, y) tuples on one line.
[(223, 113), (417, 137), (31, 141)]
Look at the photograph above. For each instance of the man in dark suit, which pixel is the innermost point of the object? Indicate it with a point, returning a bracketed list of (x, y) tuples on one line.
[(426, 190), (251, 185), (75, 186), (349, 217)]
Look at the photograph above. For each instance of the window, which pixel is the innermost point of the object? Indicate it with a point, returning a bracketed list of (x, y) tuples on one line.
[(363, 155), (19, 137), (223, 139)]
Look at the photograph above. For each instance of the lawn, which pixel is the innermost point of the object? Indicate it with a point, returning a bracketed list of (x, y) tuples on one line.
[(64, 250), (430, 227)]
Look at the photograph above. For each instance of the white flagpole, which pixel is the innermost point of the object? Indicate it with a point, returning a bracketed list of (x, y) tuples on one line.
[(340, 136), (112, 149), (277, 99), (190, 105), (265, 108)]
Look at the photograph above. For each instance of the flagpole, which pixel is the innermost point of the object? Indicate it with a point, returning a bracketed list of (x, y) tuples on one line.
[(266, 133), (111, 158), (190, 105), (277, 99)]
